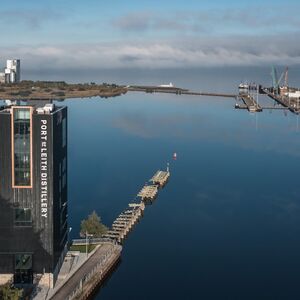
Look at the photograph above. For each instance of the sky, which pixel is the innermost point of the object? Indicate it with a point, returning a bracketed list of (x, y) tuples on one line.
[(93, 34)]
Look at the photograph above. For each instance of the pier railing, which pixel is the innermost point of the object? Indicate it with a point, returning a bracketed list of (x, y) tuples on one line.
[(102, 268), (92, 241)]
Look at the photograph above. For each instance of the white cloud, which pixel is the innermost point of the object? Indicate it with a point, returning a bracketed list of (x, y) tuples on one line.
[(255, 19), (230, 51)]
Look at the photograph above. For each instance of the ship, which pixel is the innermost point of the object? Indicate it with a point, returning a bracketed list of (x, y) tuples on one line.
[(243, 86), (170, 85)]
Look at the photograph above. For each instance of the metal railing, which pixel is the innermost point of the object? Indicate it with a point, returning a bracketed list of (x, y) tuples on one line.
[(100, 269), (92, 241)]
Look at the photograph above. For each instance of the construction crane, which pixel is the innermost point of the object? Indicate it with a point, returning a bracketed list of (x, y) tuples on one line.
[(276, 81), (286, 77)]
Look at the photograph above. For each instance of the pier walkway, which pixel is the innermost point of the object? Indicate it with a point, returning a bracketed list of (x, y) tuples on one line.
[(125, 222), (90, 274), (250, 103), (148, 192), (177, 91), (129, 217), (160, 177), (223, 95), (291, 104)]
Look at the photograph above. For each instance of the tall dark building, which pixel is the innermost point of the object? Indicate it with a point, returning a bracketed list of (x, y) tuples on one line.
[(33, 191)]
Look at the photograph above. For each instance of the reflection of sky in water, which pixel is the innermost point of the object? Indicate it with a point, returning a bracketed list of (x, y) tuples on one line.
[(227, 224)]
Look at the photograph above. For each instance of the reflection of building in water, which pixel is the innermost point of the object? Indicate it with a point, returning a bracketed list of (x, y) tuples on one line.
[(33, 191)]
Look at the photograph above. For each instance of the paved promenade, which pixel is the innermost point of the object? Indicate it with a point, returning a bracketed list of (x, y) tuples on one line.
[(71, 284), (79, 271)]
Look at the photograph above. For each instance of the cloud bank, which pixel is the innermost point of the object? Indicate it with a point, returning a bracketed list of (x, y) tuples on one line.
[(255, 19), (183, 53), (150, 39)]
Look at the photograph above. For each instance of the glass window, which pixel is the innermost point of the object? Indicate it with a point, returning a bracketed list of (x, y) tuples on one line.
[(23, 261), (22, 146), (22, 217), (23, 269)]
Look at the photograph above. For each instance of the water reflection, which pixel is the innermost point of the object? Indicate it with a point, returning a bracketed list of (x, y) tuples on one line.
[(226, 226)]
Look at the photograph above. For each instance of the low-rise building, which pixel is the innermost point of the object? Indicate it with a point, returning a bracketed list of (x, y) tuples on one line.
[(12, 72)]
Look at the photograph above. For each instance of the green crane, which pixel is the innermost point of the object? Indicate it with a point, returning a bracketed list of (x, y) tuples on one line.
[(276, 81)]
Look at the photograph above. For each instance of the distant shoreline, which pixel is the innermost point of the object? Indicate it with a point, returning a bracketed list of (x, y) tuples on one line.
[(58, 90)]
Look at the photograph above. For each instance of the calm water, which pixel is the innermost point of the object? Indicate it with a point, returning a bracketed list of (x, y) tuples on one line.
[(227, 225)]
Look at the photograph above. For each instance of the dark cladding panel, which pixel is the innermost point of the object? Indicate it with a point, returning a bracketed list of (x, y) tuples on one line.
[(60, 207), (43, 179), (6, 211), (5, 156), (33, 220)]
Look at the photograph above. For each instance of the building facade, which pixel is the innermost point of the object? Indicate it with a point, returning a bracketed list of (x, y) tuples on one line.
[(13, 71), (33, 191)]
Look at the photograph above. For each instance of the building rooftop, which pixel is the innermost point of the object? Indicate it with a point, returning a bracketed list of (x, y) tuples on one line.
[(39, 107)]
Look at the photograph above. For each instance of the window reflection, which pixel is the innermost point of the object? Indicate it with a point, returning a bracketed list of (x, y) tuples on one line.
[(21, 131), (22, 217)]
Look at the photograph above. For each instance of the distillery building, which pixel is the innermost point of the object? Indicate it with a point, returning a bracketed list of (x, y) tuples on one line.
[(33, 192)]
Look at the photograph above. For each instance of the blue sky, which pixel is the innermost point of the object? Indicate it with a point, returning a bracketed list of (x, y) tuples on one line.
[(153, 34)]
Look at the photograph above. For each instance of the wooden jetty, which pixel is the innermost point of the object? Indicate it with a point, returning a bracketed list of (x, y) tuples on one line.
[(93, 272), (130, 216), (250, 103), (125, 222), (160, 177), (148, 192)]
